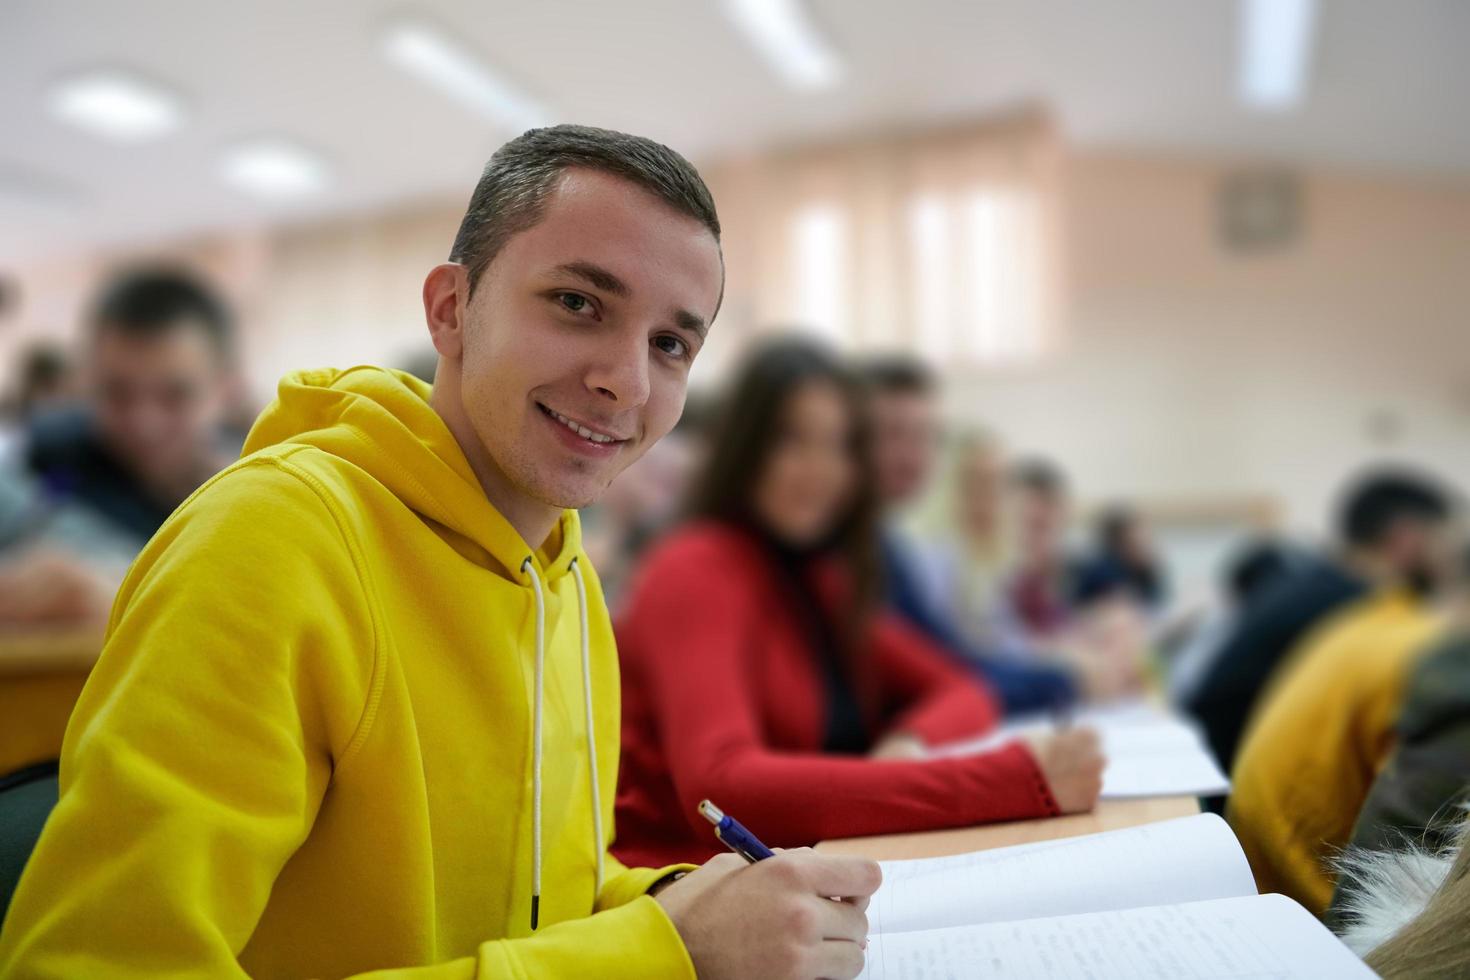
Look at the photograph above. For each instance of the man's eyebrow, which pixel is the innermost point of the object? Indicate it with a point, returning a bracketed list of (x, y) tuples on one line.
[(692, 322), (598, 277)]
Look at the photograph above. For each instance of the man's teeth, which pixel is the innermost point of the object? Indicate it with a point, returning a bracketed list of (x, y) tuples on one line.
[(580, 430)]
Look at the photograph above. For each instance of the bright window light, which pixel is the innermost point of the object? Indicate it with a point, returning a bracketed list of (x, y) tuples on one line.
[(933, 252), (819, 234), (784, 34), (977, 279), (1275, 51), (273, 170), (116, 106), (439, 62)]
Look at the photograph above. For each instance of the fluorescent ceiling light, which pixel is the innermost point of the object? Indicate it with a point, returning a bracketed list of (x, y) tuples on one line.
[(434, 59), (1275, 51), (273, 169), (786, 37), (116, 105)]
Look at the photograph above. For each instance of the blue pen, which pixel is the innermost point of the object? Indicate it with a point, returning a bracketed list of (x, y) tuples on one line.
[(733, 835)]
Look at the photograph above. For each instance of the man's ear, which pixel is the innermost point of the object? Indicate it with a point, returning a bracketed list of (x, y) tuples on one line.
[(446, 299)]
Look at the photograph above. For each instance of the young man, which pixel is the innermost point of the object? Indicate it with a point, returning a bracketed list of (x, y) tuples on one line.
[(96, 481), (1390, 528), (906, 435), (358, 710)]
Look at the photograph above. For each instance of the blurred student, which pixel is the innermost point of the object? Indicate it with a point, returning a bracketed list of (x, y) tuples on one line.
[(1389, 528), (45, 380), (358, 707), (1322, 733), (762, 672), (1419, 793), (1041, 587), (902, 398), (967, 545), (1245, 574), (1122, 563), (98, 479)]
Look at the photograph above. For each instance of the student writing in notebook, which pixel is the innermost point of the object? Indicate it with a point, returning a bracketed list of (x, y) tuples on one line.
[(761, 672), (358, 705)]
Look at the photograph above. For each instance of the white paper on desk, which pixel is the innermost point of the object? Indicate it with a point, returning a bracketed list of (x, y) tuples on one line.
[(1149, 752), (1258, 937), (1184, 860)]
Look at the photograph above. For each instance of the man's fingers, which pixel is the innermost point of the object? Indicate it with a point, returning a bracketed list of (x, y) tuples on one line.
[(841, 877), (838, 960), (841, 920)]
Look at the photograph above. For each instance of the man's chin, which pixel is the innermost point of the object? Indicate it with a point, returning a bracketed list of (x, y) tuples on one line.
[(572, 494)]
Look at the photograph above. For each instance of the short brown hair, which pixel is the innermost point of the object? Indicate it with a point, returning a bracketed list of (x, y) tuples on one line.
[(516, 183)]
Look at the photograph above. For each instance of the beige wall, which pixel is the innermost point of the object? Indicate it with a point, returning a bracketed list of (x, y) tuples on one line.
[(1188, 371), (1184, 371)]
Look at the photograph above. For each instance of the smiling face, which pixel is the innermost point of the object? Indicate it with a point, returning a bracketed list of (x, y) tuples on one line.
[(572, 356)]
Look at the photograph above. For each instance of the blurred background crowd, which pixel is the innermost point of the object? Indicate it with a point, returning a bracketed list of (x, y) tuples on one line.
[(1154, 312)]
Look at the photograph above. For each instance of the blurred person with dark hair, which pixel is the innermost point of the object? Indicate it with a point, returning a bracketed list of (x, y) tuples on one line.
[(1324, 729), (357, 712), (1122, 563), (43, 381), (762, 671), (1041, 588), (1390, 529), (902, 394), (159, 375), (1246, 572)]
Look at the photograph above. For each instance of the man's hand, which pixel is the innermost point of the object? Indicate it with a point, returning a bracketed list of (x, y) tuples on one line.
[(1072, 764), (899, 745), (775, 919), (45, 587)]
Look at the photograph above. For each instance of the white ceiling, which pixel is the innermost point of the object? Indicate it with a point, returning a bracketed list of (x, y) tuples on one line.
[(1390, 88)]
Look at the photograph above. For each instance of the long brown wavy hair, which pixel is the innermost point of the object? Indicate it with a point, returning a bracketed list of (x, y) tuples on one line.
[(747, 432)]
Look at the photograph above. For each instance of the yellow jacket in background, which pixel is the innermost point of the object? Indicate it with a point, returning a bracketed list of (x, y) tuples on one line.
[(307, 748), (1313, 749)]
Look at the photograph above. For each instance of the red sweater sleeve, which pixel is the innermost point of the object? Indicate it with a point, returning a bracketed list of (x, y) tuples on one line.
[(925, 694), (693, 621)]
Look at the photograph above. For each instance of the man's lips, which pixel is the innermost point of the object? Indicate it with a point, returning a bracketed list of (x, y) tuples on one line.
[(591, 433)]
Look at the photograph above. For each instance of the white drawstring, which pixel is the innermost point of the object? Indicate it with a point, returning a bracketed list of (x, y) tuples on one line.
[(530, 569), (591, 733)]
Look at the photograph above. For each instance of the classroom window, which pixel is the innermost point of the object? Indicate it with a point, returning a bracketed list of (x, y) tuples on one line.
[(819, 246), (977, 280)]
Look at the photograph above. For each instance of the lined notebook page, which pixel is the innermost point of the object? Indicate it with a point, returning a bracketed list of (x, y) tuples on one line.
[(1260, 937), (1149, 751), (1184, 860)]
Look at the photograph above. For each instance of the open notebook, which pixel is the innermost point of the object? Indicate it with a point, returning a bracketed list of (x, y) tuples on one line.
[(1149, 751), (1173, 899)]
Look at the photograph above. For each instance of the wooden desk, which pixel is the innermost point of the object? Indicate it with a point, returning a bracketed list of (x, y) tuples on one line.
[(1109, 815), (41, 674)]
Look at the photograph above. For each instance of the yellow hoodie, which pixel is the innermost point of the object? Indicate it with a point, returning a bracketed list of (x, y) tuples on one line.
[(307, 749)]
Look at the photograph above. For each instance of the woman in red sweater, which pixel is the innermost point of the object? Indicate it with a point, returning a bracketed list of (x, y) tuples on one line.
[(759, 672)]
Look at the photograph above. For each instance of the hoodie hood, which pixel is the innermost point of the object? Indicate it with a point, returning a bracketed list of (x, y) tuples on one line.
[(381, 421)]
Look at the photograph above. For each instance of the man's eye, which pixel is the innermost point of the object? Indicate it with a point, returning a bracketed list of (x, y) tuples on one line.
[(574, 302), (672, 346)]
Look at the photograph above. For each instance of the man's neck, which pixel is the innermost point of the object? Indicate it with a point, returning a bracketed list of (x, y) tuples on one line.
[(532, 519)]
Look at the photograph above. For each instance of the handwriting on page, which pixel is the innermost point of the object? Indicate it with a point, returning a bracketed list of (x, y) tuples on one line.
[(1258, 937)]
